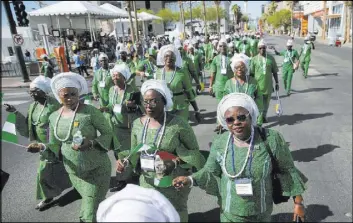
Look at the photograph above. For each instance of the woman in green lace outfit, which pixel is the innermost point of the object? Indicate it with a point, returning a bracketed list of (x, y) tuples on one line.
[(240, 165), (242, 82), (147, 67), (123, 109), (52, 178), (73, 132), (177, 80), (162, 134)]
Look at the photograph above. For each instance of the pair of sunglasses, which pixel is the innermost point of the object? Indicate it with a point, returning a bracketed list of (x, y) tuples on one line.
[(240, 118)]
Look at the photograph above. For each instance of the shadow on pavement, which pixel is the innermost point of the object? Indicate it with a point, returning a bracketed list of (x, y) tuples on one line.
[(302, 91), (206, 118), (310, 154), (133, 180), (323, 75), (294, 119), (65, 199), (313, 213), (208, 216)]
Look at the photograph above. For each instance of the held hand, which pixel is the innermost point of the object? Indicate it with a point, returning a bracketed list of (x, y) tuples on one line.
[(34, 147), (95, 97), (86, 145), (299, 212), (103, 109), (180, 182), (198, 117), (210, 90), (119, 166), (198, 87), (277, 87), (131, 104), (10, 108)]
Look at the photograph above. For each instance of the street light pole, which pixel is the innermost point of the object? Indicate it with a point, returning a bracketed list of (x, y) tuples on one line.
[(191, 19), (18, 49)]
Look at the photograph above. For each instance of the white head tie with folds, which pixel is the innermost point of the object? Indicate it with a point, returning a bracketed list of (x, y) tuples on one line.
[(162, 88), (162, 52), (102, 55), (290, 42), (137, 204), (261, 43), (123, 69), (42, 83), (231, 44), (240, 58), (68, 79), (239, 100)]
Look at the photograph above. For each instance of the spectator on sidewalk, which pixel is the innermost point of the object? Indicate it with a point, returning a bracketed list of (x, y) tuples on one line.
[(79, 63), (47, 68)]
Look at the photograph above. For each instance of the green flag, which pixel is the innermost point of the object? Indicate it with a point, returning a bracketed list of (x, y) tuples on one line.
[(9, 130)]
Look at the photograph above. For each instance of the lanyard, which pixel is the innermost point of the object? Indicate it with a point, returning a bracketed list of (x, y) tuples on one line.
[(173, 75), (116, 94), (224, 62), (264, 60), (249, 160), (150, 65), (40, 114), (103, 75), (237, 85)]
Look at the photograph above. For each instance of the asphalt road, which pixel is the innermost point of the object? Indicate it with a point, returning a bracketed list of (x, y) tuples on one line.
[(317, 122)]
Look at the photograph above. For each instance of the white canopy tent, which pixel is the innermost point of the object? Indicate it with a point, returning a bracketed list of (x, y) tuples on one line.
[(74, 9)]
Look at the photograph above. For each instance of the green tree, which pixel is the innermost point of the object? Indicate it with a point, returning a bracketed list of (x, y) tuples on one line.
[(236, 12), (272, 8), (280, 18)]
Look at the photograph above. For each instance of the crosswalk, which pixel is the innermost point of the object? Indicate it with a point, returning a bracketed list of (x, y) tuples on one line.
[(16, 98)]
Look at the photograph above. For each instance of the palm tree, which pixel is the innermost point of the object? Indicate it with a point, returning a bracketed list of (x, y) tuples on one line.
[(272, 8), (128, 4), (136, 23), (324, 22), (348, 20), (204, 16), (236, 10), (217, 3), (291, 5), (182, 15)]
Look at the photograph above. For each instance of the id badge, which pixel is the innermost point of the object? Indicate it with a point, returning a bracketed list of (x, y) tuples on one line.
[(243, 187), (147, 162), (223, 71), (117, 109), (101, 84)]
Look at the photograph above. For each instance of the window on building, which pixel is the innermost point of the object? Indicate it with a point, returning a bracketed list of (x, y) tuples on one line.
[(148, 4), (335, 24), (11, 53), (337, 9), (150, 28)]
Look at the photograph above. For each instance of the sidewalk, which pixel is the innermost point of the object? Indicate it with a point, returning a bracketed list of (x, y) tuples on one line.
[(17, 82)]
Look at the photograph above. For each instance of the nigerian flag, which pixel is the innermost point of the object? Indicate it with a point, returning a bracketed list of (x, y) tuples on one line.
[(9, 130), (88, 100)]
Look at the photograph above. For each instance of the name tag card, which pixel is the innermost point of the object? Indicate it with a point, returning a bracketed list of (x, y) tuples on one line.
[(223, 71), (117, 109), (147, 162), (101, 84), (243, 187)]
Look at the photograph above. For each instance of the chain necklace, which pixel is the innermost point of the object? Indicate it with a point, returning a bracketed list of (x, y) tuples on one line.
[(145, 133), (246, 159), (40, 114), (57, 121), (173, 75)]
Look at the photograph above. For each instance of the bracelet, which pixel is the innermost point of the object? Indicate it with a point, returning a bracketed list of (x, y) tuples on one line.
[(192, 181)]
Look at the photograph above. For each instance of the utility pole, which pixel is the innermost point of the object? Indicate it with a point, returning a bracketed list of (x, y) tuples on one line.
[(204, 17), (136, 23), (18, 49), (191, 20)]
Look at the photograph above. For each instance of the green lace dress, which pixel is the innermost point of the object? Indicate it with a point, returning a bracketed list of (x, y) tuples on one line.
[(180, 140), (52, 178), (101, 83), (180, 85), (89, 170), (258, 207)]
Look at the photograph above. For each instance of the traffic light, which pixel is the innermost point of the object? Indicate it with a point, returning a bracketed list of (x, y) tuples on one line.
[(21, 14)]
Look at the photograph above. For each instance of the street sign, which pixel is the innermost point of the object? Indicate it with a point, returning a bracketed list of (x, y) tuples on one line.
[(18, 39)]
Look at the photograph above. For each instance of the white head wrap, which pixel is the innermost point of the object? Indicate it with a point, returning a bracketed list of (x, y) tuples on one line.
[(177, 43), (191, 46), (166, 48), (306, 38), (290, 42), (102, 55), (240, 57), (227, 36), (137, 204), (222, 41), (237, 99), (41, 82), (68, 79), (122, 69), (231, 44), (162, 88), (245, 38), (215, 42), (261, 43)]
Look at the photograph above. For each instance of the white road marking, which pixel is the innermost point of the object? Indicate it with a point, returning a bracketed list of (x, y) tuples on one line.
[(15, 102)]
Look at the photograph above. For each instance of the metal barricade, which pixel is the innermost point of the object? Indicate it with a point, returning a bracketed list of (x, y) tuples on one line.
[(10, 69)]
